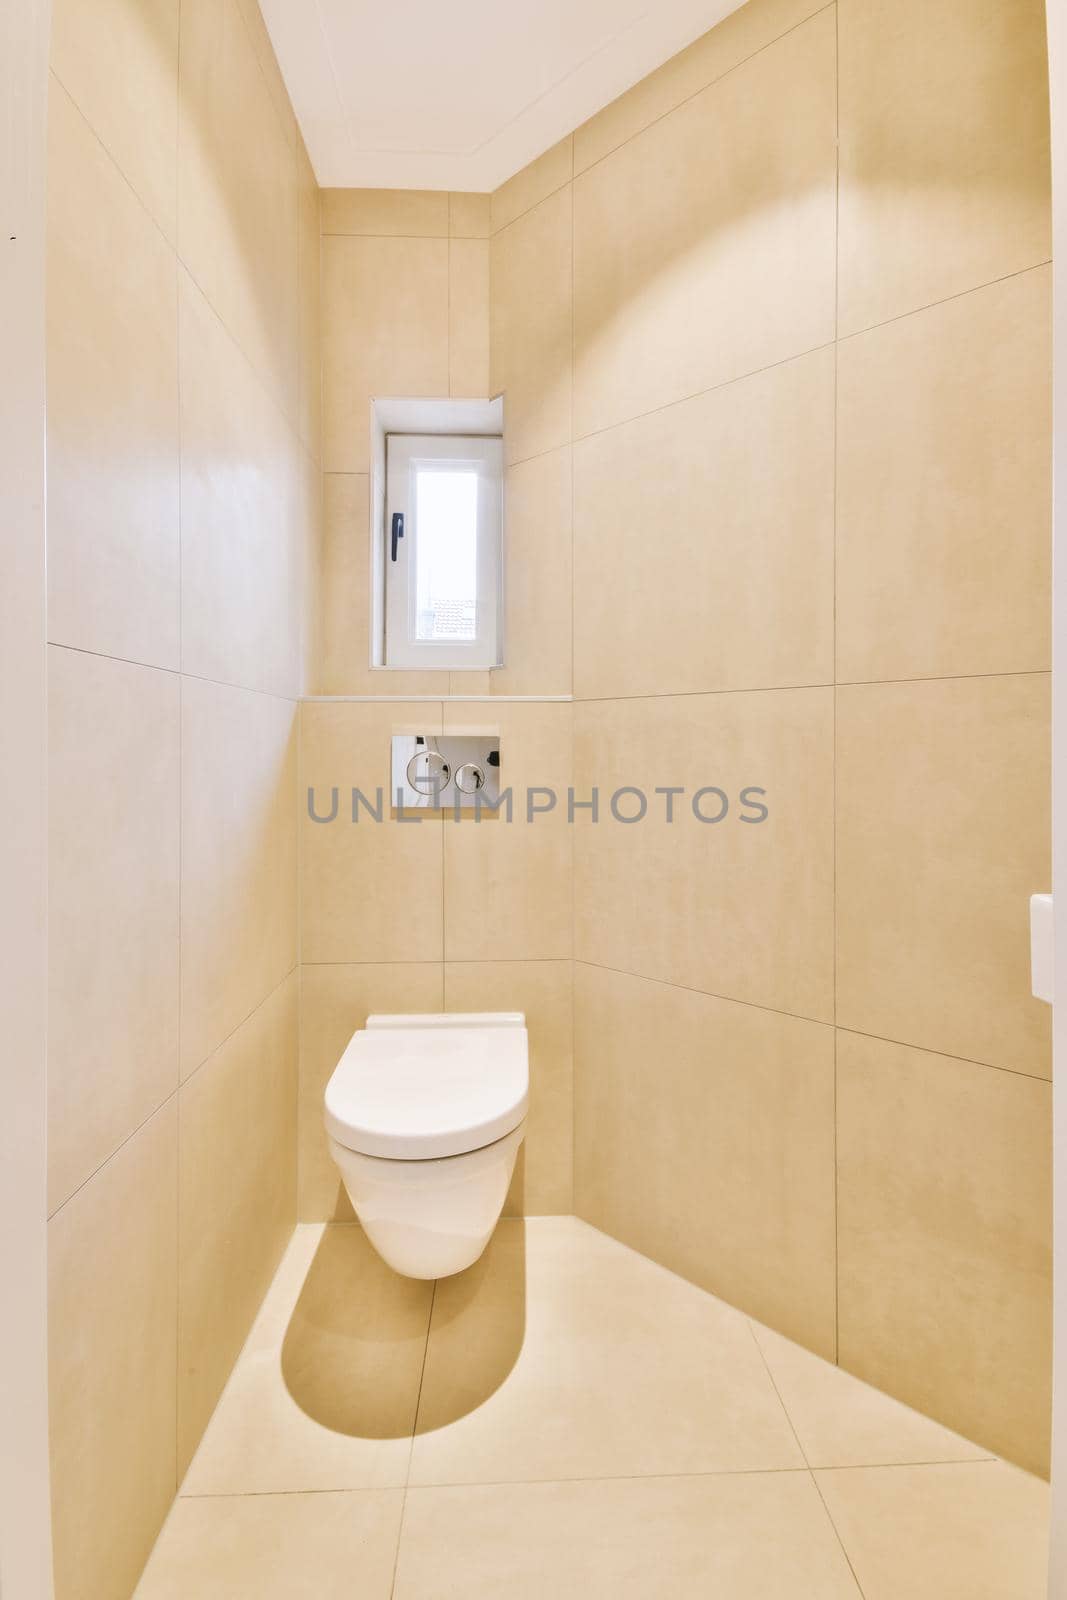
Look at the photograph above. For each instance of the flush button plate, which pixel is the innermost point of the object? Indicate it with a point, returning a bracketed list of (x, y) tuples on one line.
[(445, 771)]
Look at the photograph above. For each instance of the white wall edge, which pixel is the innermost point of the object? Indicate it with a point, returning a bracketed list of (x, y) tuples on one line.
[(25, 1524), (1056, 11)]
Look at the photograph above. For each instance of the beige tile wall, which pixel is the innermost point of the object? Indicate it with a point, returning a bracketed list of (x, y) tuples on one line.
[(430, 914), (433, 914), (838, 430), (407, 307), (773, 335), (184, 555), (804, 401)]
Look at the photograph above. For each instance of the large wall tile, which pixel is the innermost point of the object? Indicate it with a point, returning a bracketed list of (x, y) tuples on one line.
[(385, 312), (370, 891), (704, 1137), (238, 192), (312, 537), (704, 541), (112, 1325), (507, 884), (118, 60), (381, 213), (112, 422), (944, 1189), (530, 327), (944, 488), (842, 1422), (704, 248), (527, 188), (944, 150), (114, 749), (537, 577), (468, 317), (309, 273), (241, 555), (543, 1181), (748, 29), (237, 1198), (468, 216), (238, 858), (346, 605), (741, 909), (942, 836), (268, 65), (335, 1001)]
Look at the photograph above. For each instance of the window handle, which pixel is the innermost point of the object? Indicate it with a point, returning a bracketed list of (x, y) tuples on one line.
[(398, 530)]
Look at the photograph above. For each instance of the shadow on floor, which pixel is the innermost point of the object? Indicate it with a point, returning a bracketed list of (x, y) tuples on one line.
[(373, 1355)]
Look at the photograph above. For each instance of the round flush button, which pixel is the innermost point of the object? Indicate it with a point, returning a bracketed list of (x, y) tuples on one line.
[(428, 772), (470, 778)]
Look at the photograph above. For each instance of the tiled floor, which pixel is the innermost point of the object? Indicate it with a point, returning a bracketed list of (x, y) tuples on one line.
[(569, 1420)]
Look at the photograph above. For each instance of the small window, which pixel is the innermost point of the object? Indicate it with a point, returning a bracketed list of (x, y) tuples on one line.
[(442, 551)]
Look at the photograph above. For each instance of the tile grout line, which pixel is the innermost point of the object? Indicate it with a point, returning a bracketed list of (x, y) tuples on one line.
[(600, 1477), (549, 699), (173, 1095), (771, 366), (837, 1533), (180, 672), (411, 1446), (778, 1395), (262, 71), (264, 380), (798, 688), (662, 117), (670, 983), (804, 1454), (720, 77), (945, 300)]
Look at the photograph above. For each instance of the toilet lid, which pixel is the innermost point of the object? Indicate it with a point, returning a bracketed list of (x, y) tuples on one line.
[(410, 1094)]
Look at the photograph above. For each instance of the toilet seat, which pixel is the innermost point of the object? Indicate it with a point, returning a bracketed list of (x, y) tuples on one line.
[(416, 1088)]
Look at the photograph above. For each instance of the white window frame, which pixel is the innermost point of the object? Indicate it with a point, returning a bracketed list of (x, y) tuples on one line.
[(404, 455)]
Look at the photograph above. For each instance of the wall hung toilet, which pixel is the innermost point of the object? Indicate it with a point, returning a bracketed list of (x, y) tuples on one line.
[(425, 1115)]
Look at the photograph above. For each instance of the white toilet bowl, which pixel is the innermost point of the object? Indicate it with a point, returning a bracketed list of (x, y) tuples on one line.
[(425, 1116)]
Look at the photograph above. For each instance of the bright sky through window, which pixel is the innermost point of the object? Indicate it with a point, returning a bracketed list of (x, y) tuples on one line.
[(446, 553)]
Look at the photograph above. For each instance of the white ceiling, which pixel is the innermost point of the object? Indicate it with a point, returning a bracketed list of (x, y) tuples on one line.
[(419, 94)]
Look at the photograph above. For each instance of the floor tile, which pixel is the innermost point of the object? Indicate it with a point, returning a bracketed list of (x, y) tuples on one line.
[(758, 1536), (277, 1547), (324, 1394), (972, 1531), (841, 1422), (562, 1354)]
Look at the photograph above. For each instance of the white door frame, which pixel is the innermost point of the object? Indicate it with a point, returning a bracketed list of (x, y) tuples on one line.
[(1057, 49), (25, 1533)]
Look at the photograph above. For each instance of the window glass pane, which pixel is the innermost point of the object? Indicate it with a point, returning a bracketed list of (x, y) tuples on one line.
[(446, 545)]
